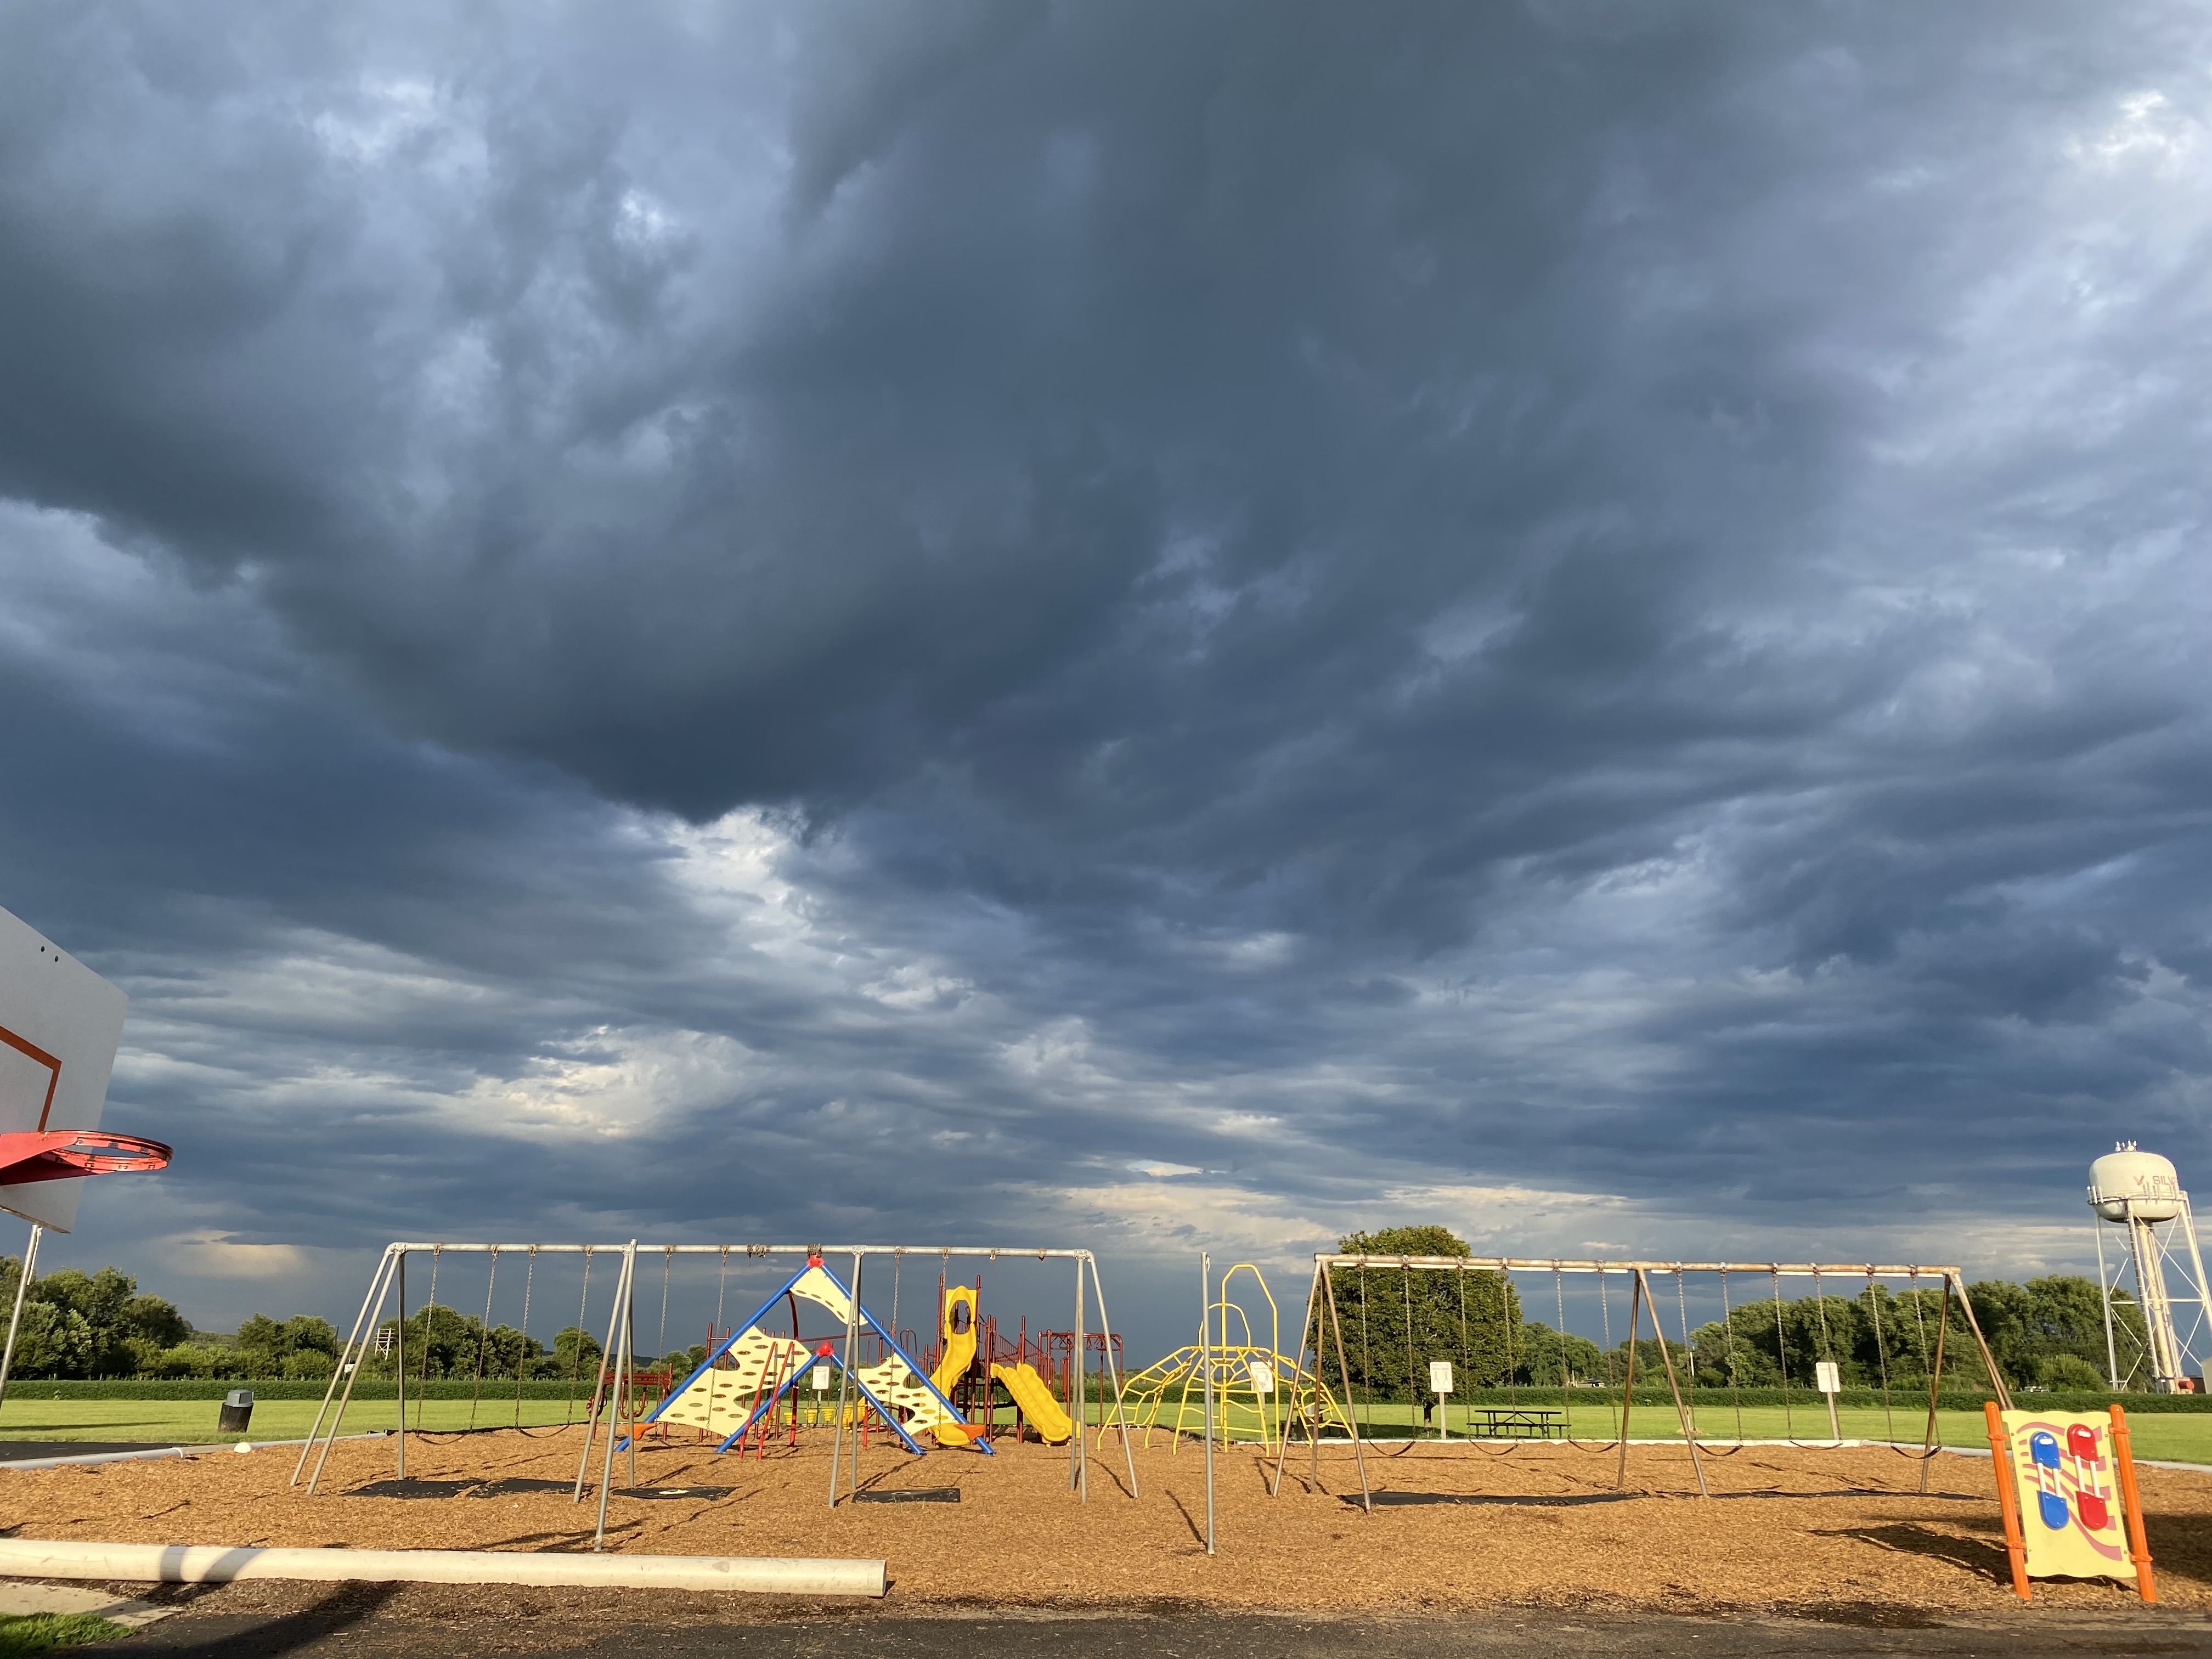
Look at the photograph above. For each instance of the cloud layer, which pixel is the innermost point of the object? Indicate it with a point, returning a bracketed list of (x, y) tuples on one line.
[(1186, 624)]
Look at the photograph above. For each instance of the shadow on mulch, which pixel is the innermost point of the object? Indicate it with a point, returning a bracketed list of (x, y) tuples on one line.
[(1984, 1558), (1540, 1501), (410, 1487), (1189, 1520), (514, 1485)]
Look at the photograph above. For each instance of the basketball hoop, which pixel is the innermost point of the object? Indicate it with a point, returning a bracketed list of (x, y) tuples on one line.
[(56, 1155)]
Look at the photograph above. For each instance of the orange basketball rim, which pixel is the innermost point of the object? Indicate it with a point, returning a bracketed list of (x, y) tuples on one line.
[(56, 1155)]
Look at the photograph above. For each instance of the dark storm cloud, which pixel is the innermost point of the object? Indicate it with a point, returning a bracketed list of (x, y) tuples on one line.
[(1576, 594)]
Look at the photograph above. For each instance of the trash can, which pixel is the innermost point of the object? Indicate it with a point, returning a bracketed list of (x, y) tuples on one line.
[(237, 1412)]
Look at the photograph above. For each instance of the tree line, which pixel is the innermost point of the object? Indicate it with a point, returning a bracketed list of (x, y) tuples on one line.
[(2046, 1333), (79, 1325)]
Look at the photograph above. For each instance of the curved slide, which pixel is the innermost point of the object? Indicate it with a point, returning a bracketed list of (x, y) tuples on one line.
[(1046, 1415)]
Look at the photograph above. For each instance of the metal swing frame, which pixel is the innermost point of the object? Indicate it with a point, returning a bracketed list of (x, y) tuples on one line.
[(1321, 1307), (389, 1277)]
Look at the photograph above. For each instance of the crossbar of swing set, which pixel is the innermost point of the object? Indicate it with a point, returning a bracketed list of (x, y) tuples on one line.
[(756, 1251), (1547, 1264)]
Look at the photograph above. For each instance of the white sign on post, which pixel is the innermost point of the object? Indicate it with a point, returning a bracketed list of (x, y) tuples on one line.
[(1440, 1380), (1263, 1377), (1827, 1377), (821, 1379), (59, 1026)]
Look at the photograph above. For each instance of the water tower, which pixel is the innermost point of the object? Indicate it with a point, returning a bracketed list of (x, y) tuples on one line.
[(2142, 1192)]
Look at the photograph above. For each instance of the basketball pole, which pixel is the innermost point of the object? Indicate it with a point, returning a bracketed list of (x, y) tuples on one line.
[(16, 1318)]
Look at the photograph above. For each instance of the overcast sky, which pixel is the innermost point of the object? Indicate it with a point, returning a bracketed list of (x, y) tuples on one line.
[(1149, 626)]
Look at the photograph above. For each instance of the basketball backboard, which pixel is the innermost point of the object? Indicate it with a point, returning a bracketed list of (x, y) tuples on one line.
[(59, 1026)]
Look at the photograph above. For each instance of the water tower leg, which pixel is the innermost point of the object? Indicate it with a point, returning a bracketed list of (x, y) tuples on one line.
[(2197, 1266), (2105, 1297), (2158, 1313)]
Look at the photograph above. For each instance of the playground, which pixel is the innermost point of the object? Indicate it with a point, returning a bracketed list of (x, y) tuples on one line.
[(988, 1461), (1788, 1528)]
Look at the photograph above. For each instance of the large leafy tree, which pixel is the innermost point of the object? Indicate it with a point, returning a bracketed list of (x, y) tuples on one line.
[(1396, 1320), (2035, 1329), (77, 1324)]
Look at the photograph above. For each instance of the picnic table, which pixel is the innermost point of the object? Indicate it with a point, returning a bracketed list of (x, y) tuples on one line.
[(1515, 1422)]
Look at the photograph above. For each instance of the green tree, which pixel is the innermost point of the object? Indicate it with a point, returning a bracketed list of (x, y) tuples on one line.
[(444, 1342), (2066, 1371), (79, 1325), (99, 1299), (54, 1341), (1544, 1358), (1396, 1320), (300, 1347), (575, 1353), (2060, 1315), (152, 1319)]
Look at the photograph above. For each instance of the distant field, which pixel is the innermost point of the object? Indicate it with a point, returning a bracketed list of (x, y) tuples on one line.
[(2182, 1438), (193, 1420)]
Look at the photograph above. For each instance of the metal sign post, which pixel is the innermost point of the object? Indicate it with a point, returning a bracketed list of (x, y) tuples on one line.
[(1206, 1349)]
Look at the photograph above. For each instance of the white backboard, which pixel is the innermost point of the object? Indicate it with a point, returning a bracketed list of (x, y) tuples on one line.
[(59, 1026)]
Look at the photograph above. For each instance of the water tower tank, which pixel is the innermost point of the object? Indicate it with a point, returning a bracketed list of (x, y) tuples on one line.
[(2125, 1181)]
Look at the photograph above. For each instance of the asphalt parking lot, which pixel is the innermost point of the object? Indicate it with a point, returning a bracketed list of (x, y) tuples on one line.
[(375, 1621)]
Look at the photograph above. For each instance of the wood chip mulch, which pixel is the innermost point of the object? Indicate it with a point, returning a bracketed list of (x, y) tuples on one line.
[(1788, 1528)]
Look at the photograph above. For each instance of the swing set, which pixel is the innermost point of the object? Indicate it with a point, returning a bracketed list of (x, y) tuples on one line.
[(1323, 1328), (619, 1390)]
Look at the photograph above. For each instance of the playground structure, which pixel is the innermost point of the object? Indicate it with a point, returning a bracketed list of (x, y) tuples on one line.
[(750, 1382), (1323, 1328), (1257, 1393), (756, 1381), (973, 1363), (750, 1377)]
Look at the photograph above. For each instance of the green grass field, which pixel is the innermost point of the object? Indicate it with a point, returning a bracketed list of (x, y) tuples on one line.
[(2179, 1437), (2182, 1438), (184, 1421), (2171, 1436)]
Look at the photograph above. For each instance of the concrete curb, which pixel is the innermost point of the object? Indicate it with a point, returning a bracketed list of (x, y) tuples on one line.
[(186, 1564), (193, 1449)]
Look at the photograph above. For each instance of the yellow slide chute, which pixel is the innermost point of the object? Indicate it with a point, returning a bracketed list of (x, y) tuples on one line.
[(956, 1330), (1046, 1415)]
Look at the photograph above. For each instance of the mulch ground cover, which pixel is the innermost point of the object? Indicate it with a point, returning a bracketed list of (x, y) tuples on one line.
[(1456, 1527)]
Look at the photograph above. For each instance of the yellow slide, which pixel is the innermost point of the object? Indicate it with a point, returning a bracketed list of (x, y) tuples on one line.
[(1029, 1393), (956, 1330), (957, 1333)]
